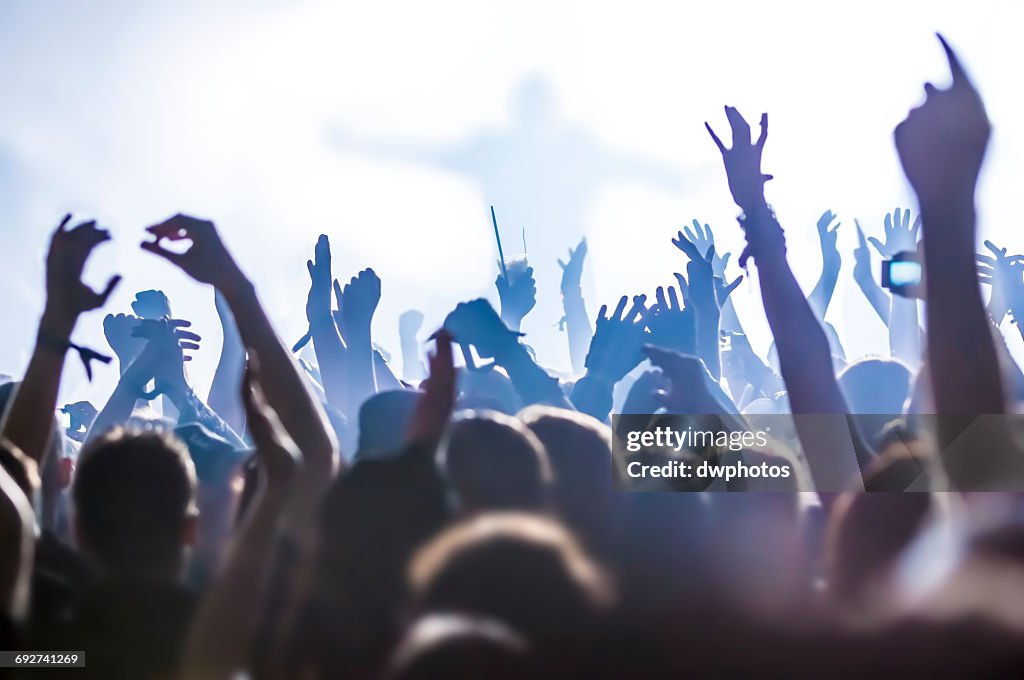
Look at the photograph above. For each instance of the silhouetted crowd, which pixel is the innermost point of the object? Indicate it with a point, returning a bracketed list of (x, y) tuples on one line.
[(323, 514)]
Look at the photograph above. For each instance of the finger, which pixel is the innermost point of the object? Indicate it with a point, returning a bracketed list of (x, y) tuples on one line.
[(659, 296), (708, 234), (764, 133), (998, 252), (684, 285), (697, 229), (714, 137), (877, 245), (638, 309), (337, 291), (602, 314), (725, 260), (154, 247), (111, 285), (561, 264), (955, 67), (184, 344), (179, 323), (861, 242), (62, 227), (732, 286), (740, 127), (914, 230), (620, 308), (187, 335), (985, 259), (673, 300), (690, 236), (709, 257)]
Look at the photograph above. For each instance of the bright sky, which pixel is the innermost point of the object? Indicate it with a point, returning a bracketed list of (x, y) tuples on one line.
[(391, 126)]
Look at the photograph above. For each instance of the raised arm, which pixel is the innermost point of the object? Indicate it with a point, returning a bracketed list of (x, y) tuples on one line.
[(804, 355), (221, 640), (227, 379), (28, 422), (865, 280), (577, 323), (831, 263), (207, 260), (357, 302), (904, 331), (941, 145), (327, 342)]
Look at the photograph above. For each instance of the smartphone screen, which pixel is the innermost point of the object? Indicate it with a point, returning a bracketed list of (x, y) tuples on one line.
[(904, 273)]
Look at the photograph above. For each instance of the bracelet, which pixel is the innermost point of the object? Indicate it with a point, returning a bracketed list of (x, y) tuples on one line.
[(86, 355)]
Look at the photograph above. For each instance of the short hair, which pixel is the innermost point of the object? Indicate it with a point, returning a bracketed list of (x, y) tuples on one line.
[(494, 462), (520, 568), (580, 450), (876, 386), (134, 493)]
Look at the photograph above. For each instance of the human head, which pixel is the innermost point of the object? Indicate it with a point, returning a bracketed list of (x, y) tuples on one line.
[(585, 473), (383, 421), (134, 496), (522, 569), (494, 462)]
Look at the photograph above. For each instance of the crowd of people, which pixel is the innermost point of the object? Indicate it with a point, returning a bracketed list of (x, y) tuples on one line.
[(470, 515)]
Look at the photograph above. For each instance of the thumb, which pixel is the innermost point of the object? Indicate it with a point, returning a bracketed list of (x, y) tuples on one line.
[(877, 245), (177, 259)]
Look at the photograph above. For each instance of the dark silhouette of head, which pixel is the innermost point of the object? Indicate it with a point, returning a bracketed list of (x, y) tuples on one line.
[(383, 420), (522, 569), (585, 473), (134, 496), (459, 646), (494, 462)]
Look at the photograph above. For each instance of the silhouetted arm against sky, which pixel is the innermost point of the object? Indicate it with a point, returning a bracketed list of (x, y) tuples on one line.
[(327, 342), (577, 323), (831, 262), (207, 260), (28, 422), (804, 355), (941, 145), (227, 379)]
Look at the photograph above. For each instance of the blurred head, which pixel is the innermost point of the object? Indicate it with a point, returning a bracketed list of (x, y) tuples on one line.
[(522, 569), (494, 462), (459, 646), (580, 451), (134, 496), (876, 386), (383, 421)]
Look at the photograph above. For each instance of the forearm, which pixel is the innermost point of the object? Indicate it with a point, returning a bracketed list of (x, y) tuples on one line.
[(964, 366), (531, 381), (384, 377), (28, 422), (821, 295), (225, 629), (876, 297), (227, 379), (362, 382), (413, 369), (191, 409), (577, 330), (904, 333), (300, 413), (330, 357), (708, 346), (118, 408)]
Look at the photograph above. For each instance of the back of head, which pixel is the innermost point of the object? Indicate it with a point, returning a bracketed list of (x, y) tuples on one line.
[(876, 386), (383, 421), (458, 646), (580, 451), (524, 570), (495, 463), (134, 497)]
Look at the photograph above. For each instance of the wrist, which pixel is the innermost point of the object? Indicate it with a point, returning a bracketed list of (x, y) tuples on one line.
[(56, 324)]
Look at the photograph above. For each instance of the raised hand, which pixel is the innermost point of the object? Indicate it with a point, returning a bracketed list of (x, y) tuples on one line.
[(827, 238), (693, 388), (409, 324), (670, 324), (476, 323), (1005, 273), (700, 285), (206, 259), (615, 349), (942, 143), (357, 301), (117, 329), (276, 454), (518, 295), (862, 274), (572, 269), (704, 239), (434, 408), (743, 160), (81, 415), (899, 234), (66, 296), (151, 304), (318, 301), (163, 358)]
